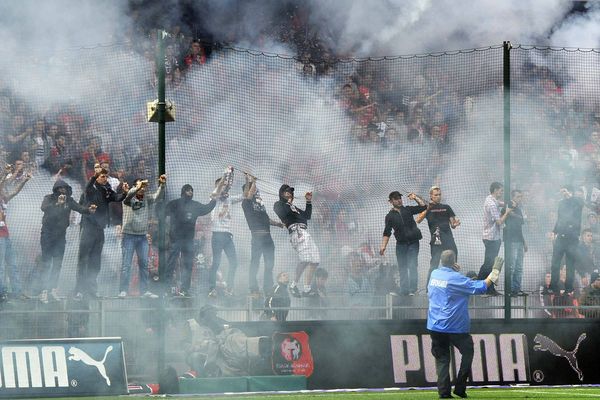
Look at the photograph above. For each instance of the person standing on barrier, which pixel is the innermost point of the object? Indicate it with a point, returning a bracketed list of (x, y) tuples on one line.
[(222, 237), (136, 213), (7, 254), (441, 220), (448, 320), (400, 219), (261, 243), (296, 220), (514, 241), (493, 220), (57, 208), (182, 214), (99, 193), (566, 238)]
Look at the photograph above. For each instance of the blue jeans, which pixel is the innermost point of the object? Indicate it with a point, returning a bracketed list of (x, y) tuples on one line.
[(7, 260), (139, 244), (222, 242), (407, 255), (515, 252)]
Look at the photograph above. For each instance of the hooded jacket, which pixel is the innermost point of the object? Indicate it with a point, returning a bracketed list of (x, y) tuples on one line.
[(183, 213), (56, 217), (289, 213)]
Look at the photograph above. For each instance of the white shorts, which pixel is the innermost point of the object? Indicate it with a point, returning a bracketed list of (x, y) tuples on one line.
[(304, 244)]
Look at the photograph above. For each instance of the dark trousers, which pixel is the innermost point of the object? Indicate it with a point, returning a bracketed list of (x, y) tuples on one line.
[(436, 253), (222, 242), (53, 251), (566, 247), (440, 348), (407, 255), (90, 256), (492, 248), (262, 245), (185, 248)]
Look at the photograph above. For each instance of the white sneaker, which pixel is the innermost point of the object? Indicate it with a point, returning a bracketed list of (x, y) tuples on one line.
[(44, 296), (122, 295), (150, 295)]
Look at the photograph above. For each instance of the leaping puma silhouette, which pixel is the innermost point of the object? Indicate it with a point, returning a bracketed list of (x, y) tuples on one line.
[(77, 354), (544, 343)]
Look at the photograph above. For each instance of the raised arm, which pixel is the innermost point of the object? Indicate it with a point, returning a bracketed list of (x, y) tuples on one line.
[(162, 181), (19, 187)]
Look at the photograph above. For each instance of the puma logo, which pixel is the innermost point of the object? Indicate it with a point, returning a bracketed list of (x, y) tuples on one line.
[(77, 354), (544, 343)]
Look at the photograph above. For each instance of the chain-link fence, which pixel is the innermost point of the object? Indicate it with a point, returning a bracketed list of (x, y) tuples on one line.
[(350, 133)]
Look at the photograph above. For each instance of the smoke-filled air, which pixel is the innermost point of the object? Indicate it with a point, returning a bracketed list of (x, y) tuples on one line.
[(349, 100)]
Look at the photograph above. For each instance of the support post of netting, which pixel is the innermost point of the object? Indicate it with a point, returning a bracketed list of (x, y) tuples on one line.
[(507, 188), (162, 256)]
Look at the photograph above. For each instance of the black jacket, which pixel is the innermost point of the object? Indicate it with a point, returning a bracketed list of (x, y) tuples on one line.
[(403, 224), (288, 213), (183, 213), (568, 222), (56, 217), (101, 196), (279, 298)]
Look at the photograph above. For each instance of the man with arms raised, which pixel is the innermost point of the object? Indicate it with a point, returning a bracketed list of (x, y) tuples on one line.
[(448, 319)]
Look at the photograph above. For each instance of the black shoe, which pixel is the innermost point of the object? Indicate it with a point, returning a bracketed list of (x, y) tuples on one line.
[(446, 396), (78, 296), (521, 293), (462, 395), (493, 292)]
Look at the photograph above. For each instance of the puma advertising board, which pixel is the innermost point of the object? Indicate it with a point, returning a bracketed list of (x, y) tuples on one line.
[(62, 367)]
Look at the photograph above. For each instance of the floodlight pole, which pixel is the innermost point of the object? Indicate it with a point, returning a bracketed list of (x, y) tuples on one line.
[(162, 255), (506, 46)]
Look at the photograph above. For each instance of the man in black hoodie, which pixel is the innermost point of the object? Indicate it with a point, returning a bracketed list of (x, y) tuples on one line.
[(57, 209), (99, 193), (295, 220), (183, 213), (400, 219)]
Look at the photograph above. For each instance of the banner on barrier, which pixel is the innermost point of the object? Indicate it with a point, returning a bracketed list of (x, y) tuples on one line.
[(62, 367), (379, 354), (291, 354)]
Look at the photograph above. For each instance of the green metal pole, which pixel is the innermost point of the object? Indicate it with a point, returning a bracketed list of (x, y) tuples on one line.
[(162, 251), (507, 188)]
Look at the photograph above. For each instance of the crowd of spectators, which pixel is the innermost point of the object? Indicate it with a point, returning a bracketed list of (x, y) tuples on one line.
[(422, 112)]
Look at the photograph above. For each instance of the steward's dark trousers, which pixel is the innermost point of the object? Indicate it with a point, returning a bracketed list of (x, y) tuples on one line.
[(440, 348)]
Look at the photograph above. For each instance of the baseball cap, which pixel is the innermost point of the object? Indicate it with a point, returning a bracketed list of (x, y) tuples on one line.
[(594, 277), (395, 195)]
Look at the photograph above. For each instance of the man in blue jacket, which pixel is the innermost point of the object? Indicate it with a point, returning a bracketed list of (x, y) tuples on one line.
[(448, 319)]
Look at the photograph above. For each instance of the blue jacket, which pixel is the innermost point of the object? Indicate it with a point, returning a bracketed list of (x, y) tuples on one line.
[(449, 293)]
